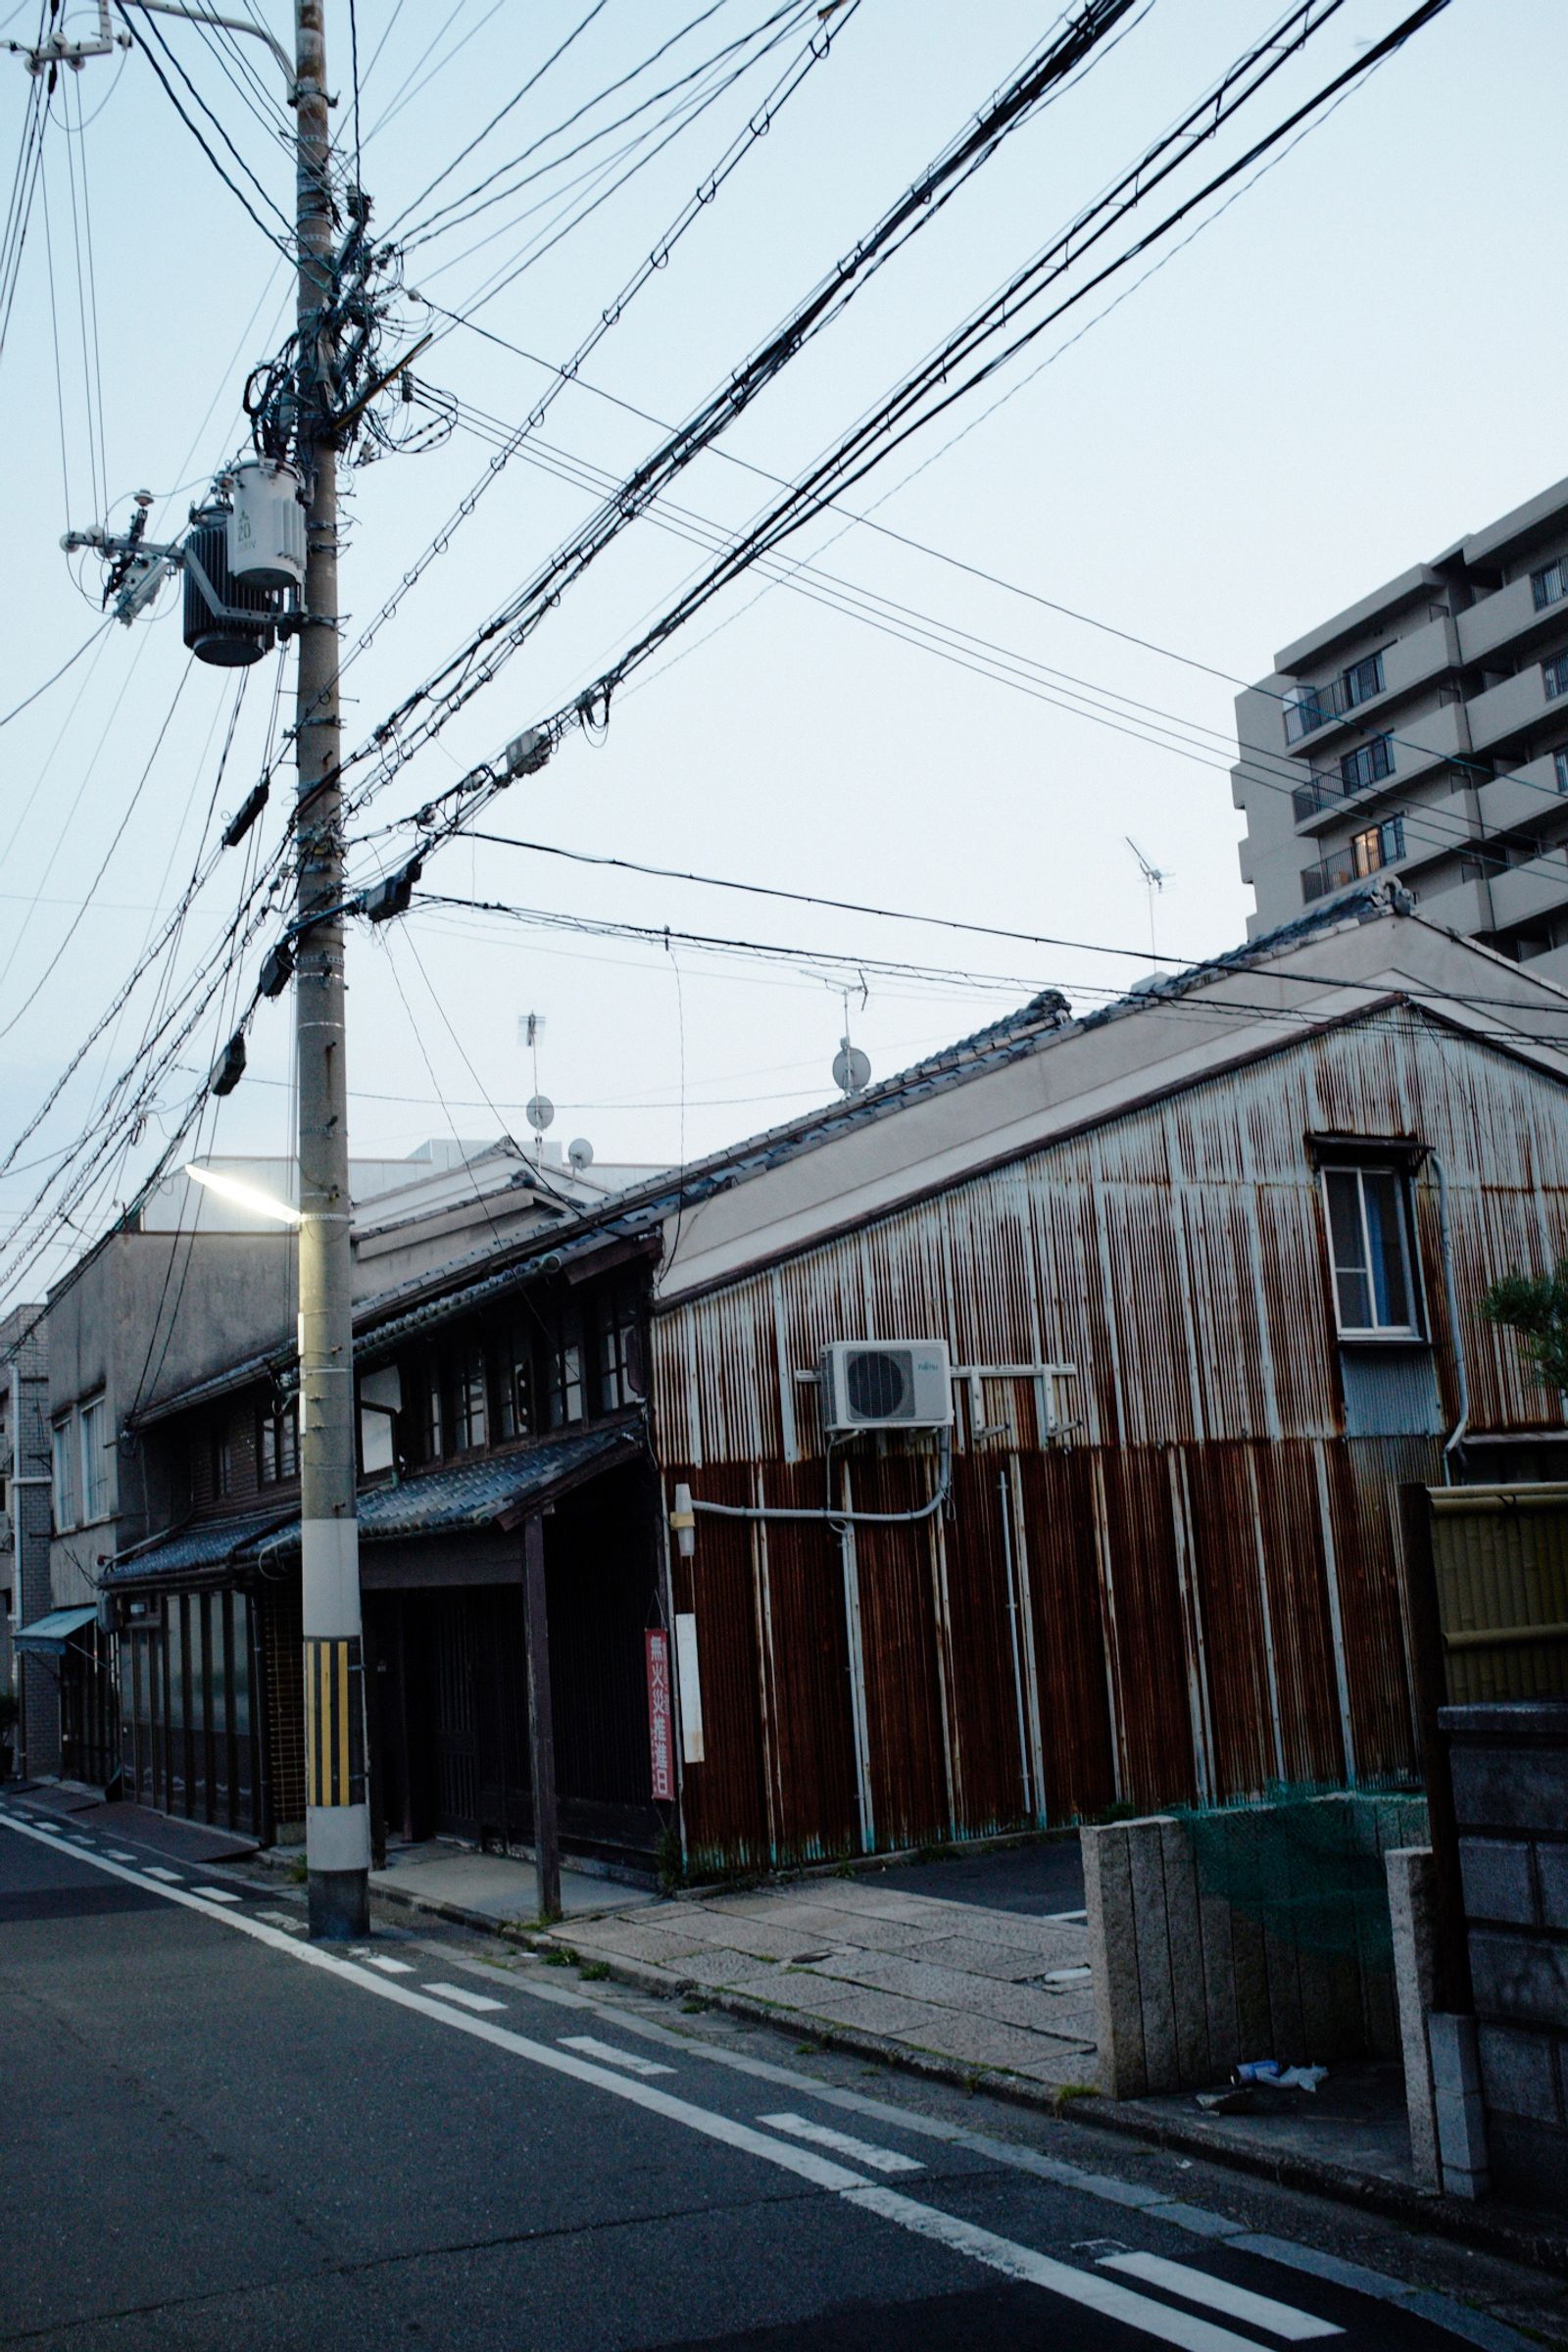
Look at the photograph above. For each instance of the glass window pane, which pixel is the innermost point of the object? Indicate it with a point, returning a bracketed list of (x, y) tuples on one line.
[(240, 1669), (1348, 1245), (177, 1663), (1390, 1283)]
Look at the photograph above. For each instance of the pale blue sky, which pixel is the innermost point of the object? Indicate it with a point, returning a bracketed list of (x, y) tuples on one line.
[(1360, 360)]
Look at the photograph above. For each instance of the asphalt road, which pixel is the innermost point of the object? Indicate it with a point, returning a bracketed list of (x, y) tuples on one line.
[(216, 2133), (1045, 1875)]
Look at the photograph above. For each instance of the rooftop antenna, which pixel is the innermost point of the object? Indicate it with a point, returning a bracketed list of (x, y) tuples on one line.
[(852, 1069), (539, 1110), (1156, 881)]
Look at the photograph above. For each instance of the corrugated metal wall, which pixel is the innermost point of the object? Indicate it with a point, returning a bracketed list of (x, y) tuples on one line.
[(1200, 1591)]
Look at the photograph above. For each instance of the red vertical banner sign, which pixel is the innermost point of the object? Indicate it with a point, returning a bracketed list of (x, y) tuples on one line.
[(660, 1749)]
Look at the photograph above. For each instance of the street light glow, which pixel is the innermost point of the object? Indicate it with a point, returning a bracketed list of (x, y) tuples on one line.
[(245, 1195)]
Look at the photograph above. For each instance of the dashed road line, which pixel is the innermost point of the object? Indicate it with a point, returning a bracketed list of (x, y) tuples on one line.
[(395, 1968), (608, 2051), (462, 1997), (842, 2144), (218, 1894), (170, 1878), (1237, 2302)]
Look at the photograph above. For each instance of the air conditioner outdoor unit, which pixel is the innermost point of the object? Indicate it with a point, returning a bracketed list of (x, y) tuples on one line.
[(885, 1383)]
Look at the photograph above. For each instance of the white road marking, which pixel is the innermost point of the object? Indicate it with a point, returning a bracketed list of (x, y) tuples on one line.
[(463, 1997), (608, 2051), (1058, 1976), (842, 2144), (282, 1918), (1086, 2287), (170, 1878), (1066, 1919), (1237, 2302), (218, 1894), (393, 1968), (114, 1854)]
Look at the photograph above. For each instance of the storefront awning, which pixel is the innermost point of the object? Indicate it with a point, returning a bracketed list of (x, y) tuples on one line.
[(47, 1637), (199, 1552), (501, 1490)]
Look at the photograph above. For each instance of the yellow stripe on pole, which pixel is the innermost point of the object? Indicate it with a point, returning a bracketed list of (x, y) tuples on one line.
[(342, 1791)]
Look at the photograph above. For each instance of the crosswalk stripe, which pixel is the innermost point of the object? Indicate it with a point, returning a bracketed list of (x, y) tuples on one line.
[(1219, 2294), (389, 1967), (115, 1855), (170, 1878), (608, 2051), (216, 1894), (466, 1999), (842, 2144)]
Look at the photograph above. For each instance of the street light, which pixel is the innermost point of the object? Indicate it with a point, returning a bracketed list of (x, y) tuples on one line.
[(246, 1196)]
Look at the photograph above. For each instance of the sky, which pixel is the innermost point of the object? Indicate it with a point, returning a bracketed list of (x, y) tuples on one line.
[(1335, 369)]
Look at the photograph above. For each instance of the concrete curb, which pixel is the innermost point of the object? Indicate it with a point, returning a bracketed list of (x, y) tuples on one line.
[(1516, 2237)]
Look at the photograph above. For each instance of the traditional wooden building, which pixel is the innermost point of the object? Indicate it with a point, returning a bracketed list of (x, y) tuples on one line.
[(1200, 1274)]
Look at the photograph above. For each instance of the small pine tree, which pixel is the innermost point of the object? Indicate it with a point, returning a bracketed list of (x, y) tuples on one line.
[(1536, 1306)]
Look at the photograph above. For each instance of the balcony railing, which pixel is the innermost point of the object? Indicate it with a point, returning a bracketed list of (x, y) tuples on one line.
[(1313, 707), (1320, 792)]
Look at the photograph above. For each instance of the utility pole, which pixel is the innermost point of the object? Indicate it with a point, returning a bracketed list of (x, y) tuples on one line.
[(337, 1819)]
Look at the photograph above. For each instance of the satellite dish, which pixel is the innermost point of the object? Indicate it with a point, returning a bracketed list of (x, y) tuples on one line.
[(852, 1069), (540, 1114), (580, 1151)]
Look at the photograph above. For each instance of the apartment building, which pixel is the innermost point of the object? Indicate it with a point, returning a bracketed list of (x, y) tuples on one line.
[(1426, 729)]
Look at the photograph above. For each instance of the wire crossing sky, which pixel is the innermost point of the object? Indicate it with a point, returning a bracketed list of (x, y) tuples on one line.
[(1247, 425)]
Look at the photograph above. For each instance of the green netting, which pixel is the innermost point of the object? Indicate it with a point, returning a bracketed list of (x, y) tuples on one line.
[(1308, 1867)]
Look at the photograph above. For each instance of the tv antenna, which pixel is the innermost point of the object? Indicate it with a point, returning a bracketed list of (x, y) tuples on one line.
[(1155, 880), (851, 1068), (539, 1110)]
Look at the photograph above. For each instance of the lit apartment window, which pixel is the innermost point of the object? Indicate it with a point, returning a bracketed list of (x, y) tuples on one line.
[(65, 1474), (1554, 676), (1362, 680), (1370, 1242), (91, 1426), (1550, 584), (1368, 763), (1378, 846)]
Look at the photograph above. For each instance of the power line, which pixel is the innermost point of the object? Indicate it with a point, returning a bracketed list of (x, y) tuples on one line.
[(69, 663), (232, 185)]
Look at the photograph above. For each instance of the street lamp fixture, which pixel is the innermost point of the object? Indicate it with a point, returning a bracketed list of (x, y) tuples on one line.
[(246, 1196)]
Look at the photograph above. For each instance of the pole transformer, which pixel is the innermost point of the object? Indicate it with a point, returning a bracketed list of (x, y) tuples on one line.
[(337, 1820)]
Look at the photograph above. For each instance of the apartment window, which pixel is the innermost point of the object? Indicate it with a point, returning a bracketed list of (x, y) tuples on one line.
[(1378, 846), (1559, 761), (1368, 763), (91, 1425), (64, 1460), (1554, 676), (1369, 1242), (277, 1446), (1362, 680), (1550, 584)]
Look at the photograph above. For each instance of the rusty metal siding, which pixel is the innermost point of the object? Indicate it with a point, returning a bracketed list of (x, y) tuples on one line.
[(1207, 1588)]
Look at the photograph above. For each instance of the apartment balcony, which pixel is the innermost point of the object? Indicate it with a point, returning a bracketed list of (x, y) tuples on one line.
[(1513, 617), (1408, 664), (1536, 794), (1513, 706), (1523, 894)]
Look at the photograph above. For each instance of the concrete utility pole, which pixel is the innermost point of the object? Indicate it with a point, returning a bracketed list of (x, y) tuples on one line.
[(337, 1818)]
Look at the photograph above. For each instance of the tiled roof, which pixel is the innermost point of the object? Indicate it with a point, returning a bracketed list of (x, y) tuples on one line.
[(204, 1544), (471, 1495)]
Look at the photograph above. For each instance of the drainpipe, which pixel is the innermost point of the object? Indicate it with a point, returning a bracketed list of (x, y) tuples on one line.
[(1461, 1376)]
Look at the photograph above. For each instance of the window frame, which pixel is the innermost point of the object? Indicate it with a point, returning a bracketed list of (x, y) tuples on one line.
[(94, 1499), (1372, 663), (1375, 749), (1398, 1173), (1541, 590), (277, 1455), (63, 1456), (1554, 676)]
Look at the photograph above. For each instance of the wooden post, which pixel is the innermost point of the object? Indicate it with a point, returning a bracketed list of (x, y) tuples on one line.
[(541, 1721), (1451, 1946)]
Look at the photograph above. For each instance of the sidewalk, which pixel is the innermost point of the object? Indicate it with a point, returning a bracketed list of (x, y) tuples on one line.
[(911, 1976)]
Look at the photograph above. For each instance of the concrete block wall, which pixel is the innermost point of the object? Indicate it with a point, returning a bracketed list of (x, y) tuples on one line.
[(1188, 1985), (1509, 1763)]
